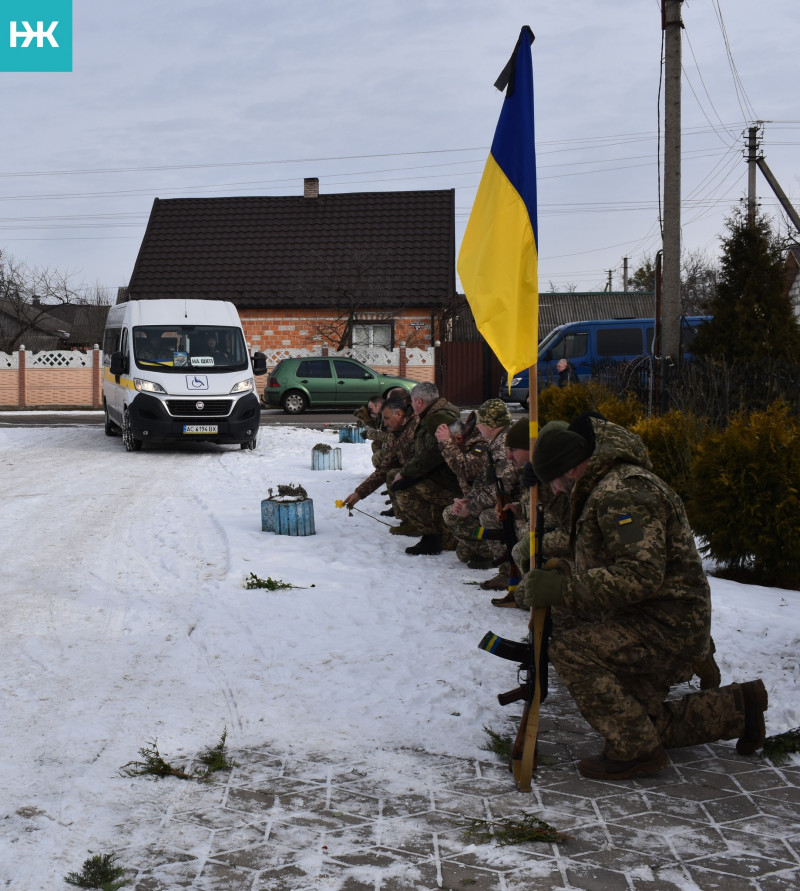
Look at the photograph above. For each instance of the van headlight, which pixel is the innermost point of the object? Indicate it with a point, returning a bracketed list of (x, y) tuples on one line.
[(147, 386), (516, 381), (243, 386)]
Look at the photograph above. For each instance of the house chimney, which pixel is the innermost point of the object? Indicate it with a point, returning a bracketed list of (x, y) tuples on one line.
[(311, 187)]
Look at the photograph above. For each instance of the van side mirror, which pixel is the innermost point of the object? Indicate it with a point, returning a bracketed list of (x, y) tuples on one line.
[(118, 364), (259, 363)]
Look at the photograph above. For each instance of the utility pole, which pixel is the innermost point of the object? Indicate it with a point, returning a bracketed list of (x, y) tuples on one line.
[(671, 235), (752, 157), (625, 274)]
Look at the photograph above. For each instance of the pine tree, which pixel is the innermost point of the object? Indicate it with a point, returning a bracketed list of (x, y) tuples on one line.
[(753, 318)]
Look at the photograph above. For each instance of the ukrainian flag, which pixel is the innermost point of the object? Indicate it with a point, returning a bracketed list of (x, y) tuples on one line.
[(497, 262)]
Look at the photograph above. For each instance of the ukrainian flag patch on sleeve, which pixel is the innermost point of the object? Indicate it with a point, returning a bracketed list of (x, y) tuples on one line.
[(630, 529)]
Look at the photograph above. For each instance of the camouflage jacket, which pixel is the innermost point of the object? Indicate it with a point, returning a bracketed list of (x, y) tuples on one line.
[(483, 491), (466, 460), (401, 445), (373, 427), (635, 556), (426, 461)]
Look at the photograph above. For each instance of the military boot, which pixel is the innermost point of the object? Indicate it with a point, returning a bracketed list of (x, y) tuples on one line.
[(428, 544), (755, 700), (708, 670), (601, 767)]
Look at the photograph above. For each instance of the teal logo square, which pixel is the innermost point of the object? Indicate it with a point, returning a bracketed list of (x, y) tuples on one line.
[(35, 35)]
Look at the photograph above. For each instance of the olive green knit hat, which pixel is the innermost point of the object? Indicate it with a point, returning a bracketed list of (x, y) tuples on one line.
[(557, 451)]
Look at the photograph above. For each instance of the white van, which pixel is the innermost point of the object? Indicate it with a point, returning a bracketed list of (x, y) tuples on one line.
[(178, 370)]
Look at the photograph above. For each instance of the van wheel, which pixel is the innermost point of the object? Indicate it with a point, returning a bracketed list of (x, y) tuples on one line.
[(128, 440), (110, 427), (294, 403), (524, 403), (250, 444)]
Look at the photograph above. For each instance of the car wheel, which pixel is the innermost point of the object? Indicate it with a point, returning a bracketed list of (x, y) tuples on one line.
[(525, 403), (249, 444), (128, 439), (294, 403), (110, 427)]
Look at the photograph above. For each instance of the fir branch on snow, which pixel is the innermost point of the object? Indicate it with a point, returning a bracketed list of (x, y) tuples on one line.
[(253, 581), (153, 765), (515, 832), (497, 744), (778, 748), (99, 872), (216, 758)]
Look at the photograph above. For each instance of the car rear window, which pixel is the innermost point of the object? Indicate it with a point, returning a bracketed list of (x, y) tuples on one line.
[(314, 368)]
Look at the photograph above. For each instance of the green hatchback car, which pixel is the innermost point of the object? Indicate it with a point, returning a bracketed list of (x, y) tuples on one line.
[(327, 382)]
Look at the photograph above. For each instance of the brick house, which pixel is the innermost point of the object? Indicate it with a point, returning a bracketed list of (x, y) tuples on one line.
[(363, 269)]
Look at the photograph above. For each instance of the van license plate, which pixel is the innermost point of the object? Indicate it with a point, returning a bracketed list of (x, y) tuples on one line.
[(200, 428)]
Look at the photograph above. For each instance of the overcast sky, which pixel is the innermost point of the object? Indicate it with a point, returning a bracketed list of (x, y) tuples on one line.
[(193, 98)]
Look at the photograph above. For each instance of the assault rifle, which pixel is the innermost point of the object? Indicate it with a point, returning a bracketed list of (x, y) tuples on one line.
[(532, 671)]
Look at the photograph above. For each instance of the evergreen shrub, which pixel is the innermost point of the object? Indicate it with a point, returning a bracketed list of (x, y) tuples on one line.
[(566, 403), (672, 440), (745, 502)]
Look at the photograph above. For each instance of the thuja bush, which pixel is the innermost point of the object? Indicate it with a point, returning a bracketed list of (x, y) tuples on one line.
[(745, 502), (566, 403), (563, 403), (672, 441), (625, 412)]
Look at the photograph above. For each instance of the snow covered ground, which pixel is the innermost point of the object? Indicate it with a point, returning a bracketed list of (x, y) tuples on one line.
[(125, 619)]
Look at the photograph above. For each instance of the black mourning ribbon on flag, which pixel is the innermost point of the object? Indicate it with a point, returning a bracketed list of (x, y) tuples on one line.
[(506, 79)]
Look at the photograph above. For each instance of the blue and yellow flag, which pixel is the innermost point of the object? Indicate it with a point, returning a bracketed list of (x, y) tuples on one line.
[(497, 262)]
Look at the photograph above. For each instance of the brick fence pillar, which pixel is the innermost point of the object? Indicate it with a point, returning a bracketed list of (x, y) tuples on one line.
[(97, 378), (22, 383)]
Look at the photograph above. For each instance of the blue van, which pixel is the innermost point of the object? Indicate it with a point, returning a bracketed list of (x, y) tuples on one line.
[(586, 344)]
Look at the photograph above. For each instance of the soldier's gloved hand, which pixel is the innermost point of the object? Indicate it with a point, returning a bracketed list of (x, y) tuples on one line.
[(528, 477), (544, 587)]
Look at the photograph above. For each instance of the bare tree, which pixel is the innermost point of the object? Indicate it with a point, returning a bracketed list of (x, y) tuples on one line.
[(26, 294), (698, 280)]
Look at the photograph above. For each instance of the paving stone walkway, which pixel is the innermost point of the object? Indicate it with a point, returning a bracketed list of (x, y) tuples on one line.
[(712, 820)]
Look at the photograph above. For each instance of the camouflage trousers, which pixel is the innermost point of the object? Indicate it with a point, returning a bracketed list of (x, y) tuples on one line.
[(422, 505), (620, 683), (463, 530)]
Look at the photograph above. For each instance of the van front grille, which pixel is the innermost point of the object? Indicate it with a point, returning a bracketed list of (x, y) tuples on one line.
[(199, 408)]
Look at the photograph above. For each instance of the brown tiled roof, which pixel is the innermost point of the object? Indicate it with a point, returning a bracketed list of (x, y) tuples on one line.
[(396, 249)]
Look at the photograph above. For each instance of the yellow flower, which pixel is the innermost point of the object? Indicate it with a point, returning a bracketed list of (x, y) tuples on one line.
[(339, 502)]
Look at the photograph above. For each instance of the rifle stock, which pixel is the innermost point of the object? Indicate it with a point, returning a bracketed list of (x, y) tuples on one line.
[(524, 750)]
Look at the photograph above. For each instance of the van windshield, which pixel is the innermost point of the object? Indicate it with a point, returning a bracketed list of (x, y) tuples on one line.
[(176, 348)]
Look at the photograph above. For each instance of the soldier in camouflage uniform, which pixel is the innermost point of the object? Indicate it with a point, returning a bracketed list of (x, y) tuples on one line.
[(463, 448), (401, 425), (371, 421), (462, 518), (425, 484), (636, 564)]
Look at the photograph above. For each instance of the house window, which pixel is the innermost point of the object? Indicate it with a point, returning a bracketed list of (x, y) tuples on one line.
[(373, 334)]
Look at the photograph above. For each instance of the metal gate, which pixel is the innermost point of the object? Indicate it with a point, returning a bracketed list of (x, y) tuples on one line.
[(467, 372)]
